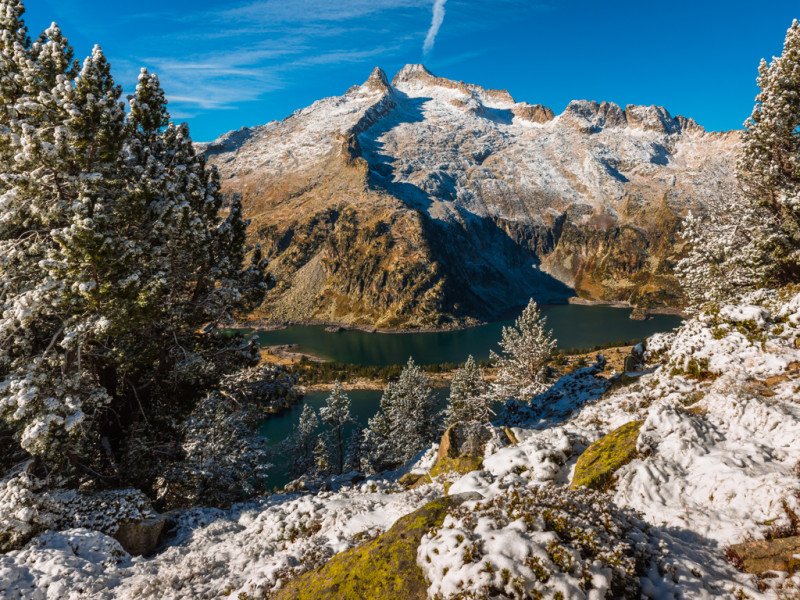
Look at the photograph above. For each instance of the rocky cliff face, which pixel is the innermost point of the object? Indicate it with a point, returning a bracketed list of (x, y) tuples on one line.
[(428, 202)]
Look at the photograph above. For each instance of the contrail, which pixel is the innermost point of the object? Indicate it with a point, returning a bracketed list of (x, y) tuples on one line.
[(436, 22)]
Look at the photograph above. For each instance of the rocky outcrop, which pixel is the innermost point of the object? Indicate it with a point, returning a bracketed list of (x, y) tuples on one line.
[(430, 202), (140, 538), (381, 569), (462, 448), (596, 466), (767, 555), (535, 113), (465, 439)]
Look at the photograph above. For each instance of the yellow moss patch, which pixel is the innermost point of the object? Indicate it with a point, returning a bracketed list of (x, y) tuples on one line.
[(382, 569), (596, 467), (462, 465), (410, 479)]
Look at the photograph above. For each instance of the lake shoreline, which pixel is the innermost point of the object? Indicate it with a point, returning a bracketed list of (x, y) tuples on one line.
[(637, 314), (614, 355), (642, 313)]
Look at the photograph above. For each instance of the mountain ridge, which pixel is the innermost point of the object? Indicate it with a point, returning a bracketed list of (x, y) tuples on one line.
[(460, 202)]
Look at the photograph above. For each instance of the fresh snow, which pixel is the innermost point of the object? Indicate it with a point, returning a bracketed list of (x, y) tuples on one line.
[(456, 151), (717, 464)]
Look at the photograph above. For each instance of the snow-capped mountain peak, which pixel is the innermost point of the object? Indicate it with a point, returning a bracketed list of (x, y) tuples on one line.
[(588, 200)]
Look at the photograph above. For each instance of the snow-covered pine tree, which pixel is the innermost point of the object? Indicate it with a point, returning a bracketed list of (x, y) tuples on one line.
[(412, 411), (753, 239), (14, 48), (468, 399), (526, 349), (769, 163), (355, 452), (299, 447), (379, 451), (336, 414), (406, 422), (113, 255), (724, 257), (224, 458), (322, 459)]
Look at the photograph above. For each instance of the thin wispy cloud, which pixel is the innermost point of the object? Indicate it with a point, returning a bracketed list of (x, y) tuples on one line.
[(309, 11), (436, 23), (226, 57)]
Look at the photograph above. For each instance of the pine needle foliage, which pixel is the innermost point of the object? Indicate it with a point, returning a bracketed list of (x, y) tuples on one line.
[(752, 240), (336, 414), (114, 252), (469, 397), (526, 348), (769, 163), (404, 425)]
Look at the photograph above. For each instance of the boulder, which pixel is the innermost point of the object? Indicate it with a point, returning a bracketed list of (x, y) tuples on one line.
[(461, 450), (465, 439), (767, 555), (461, 465), (409, 479), (631, 364), (384, 568), (596, 466), (140, 538)]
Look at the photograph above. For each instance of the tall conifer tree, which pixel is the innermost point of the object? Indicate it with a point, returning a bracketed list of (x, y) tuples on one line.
[(113, 252), (526, 348)]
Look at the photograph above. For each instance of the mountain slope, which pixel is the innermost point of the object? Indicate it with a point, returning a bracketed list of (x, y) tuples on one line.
[(425, 202)]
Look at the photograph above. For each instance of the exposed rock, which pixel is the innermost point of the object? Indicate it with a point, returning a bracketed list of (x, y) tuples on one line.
[(368, 203), (140, 538), (381, 569), (591, 117), (378, 80), (465, 439), (460, 452), (596, 466), (460, 465), (631, 364), (512, 438), (536, 113), (768, 555), (410, 479)]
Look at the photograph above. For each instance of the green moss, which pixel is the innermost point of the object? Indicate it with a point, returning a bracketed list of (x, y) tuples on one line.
[(462, 465), (597, 465), (382, 569), (409, 479)]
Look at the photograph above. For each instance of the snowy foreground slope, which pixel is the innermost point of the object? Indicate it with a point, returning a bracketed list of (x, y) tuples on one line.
[(718, 460)]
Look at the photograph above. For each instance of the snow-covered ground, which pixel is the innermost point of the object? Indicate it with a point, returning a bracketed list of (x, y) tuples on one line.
[(717, 464)]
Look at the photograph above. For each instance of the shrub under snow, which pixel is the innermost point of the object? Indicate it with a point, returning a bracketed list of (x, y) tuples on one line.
[(27, 509), (540, 542)]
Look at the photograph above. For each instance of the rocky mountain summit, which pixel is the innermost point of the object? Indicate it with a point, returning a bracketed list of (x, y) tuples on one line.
[(431, 202)]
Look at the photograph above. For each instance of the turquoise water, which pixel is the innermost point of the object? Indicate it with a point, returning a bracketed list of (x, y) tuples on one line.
[(574, 326)]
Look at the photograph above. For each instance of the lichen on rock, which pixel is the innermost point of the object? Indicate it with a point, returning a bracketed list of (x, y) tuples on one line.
[(381, 569), (596, 466)]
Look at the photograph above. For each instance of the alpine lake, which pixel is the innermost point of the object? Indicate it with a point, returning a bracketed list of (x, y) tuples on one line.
[(575, 326)]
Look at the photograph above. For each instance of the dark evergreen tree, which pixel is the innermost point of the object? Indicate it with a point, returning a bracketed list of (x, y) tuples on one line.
[(469, 397), (769, 164), (336, 414), (115, 252)]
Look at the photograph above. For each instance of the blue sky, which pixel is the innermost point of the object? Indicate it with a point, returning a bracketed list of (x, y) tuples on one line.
[(228, 64)]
